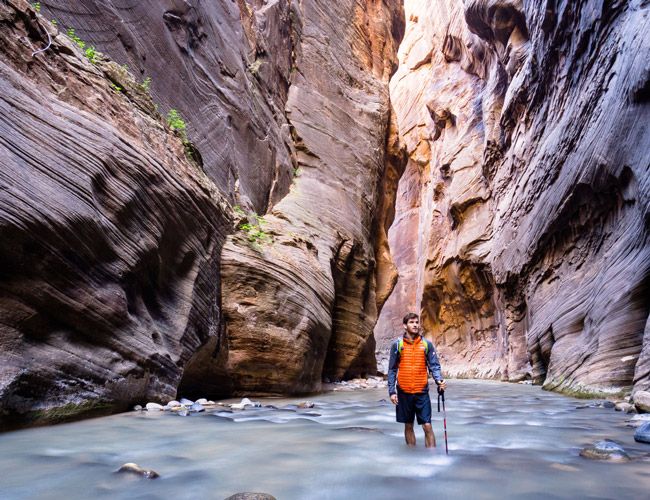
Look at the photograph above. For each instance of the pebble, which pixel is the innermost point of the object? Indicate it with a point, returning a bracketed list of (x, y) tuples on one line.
[(642, 434), (244, 403), (137, 408), (197, 407), (605, 450), (154, 407), (132, 468), (306, 404)]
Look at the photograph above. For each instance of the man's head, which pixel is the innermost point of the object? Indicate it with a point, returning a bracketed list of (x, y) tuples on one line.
[(411, 323)]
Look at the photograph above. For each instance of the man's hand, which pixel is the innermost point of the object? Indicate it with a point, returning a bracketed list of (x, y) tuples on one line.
[(393, 398), (442, 385)]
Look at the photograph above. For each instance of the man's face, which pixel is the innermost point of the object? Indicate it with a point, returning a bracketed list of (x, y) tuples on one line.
[(412, 326)]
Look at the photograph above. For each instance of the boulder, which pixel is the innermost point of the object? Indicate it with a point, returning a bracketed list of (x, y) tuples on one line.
[(154, 407), (642, 434), (624, 407), (642, 401)]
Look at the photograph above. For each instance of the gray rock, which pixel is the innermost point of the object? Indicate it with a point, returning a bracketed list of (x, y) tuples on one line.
[(154, 407), (642, 434), (638, 420), (605, 450), (137, 408), (642, 401), (607, 404), (306, 404), (251, 496), (131, 468), (173, 403), (202, 401), (183, 412), (624, 407), (186, 402), (197, 407)]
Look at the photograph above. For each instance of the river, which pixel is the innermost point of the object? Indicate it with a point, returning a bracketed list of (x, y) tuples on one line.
[(505, 441)]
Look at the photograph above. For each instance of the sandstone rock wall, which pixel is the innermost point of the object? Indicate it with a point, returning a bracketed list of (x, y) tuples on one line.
[(300, 298), (109, 235), (527, 181), (113, 237)]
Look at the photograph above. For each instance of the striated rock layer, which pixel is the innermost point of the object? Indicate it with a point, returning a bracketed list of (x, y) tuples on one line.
[(109, 235), (522, 220), (299, 286)]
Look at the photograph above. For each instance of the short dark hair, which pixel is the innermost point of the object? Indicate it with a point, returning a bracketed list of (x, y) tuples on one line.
[(410, 316)]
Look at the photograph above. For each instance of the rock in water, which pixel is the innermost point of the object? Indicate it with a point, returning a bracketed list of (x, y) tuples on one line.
[(306, 404), (131, 468), (605, 450), (186, 402), (251, 496), (624, 407), (154, 407), (197, 407), (642, 434), (183, 412), (137, 408), (642, 401), (202, 401)]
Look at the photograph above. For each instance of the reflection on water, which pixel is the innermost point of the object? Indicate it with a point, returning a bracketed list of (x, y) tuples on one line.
[(505, 440)]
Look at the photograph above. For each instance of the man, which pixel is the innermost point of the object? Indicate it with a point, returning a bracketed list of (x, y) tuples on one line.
[(410, 358)]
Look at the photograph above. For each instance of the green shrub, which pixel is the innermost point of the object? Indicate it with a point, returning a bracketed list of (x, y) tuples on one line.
[(37, 7), (73, 36), (146, 84), (92, 54), (176, 123), (116, 87), (253, 227)]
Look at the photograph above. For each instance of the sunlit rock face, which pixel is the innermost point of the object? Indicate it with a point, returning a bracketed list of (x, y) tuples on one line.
[(109, 235), (301, 300), (522, 218)]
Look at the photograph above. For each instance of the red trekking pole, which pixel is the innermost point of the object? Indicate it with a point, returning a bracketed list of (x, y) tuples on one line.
[(441, 393)]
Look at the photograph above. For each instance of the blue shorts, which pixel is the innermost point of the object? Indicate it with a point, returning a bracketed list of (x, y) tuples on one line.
[(410, 406)]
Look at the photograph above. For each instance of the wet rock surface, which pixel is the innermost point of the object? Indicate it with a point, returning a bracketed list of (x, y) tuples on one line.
[(605, 450), (521, 229), (135, 469), (642, 434)]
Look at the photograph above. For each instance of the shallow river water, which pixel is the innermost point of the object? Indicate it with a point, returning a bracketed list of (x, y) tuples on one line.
[(505, 441)]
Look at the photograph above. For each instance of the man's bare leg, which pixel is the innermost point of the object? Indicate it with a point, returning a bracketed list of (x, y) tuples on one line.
[(429, 436), (409, 434)]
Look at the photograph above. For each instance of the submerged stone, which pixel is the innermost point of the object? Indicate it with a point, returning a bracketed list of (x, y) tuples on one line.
[(605, 450), (197, 407), (131, 468)]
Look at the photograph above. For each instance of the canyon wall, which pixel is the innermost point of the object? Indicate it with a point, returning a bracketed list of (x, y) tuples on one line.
[(522, 220), (115, 288), (110, 236)]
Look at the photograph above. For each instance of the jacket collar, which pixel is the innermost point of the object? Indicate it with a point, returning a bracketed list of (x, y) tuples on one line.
[(418, 338)]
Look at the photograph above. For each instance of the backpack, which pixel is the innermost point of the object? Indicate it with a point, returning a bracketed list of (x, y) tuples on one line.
[(400, 345)]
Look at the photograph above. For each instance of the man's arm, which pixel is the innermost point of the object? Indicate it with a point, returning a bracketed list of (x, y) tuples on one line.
[(393, 363), (434, 364)]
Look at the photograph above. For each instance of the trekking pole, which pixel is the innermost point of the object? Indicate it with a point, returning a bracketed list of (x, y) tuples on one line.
[(441, 393)]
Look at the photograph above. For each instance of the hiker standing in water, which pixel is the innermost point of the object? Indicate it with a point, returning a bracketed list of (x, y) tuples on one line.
[(411, 357)]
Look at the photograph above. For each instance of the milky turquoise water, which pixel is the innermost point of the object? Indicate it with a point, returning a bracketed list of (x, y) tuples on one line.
[(505, 441)]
